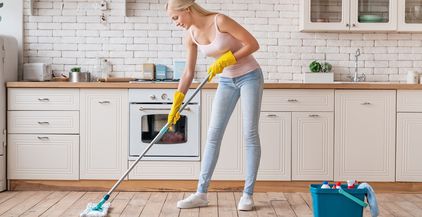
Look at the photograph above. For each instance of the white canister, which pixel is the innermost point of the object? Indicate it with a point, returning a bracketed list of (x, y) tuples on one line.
[(412, 77)]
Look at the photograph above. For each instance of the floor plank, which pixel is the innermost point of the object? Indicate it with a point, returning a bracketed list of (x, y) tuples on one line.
[(45, 204), (226, 204), (212, 209), (27, 204), (4, 196), (119, 203), (263, 206), (63, 204), (16, 200), (298, 205), (169, 207), (280, 204), (154, 204), (136, 205)]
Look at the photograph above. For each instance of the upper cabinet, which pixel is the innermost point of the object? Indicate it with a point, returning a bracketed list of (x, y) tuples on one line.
[(348, 15), (410, 16)]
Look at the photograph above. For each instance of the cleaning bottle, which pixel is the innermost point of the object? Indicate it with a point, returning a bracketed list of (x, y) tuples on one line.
[(325, 185), (337, 186)]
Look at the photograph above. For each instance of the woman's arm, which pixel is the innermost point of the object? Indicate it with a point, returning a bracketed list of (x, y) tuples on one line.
[(228, 25), (189, 72)]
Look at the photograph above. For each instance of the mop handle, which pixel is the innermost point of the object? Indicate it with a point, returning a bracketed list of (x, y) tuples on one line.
[(157, 138)]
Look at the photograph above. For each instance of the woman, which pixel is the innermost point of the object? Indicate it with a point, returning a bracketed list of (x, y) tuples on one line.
[(218, 36)]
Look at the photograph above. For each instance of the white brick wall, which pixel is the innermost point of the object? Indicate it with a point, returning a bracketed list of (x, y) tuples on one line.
[(74, 36)]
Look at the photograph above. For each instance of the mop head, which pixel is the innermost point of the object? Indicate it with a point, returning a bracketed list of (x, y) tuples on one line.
[(92, 211)]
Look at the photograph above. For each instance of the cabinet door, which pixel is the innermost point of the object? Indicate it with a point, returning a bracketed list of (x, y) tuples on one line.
[(3, 182), (409, 16), (275, 135), (369, 15), (43, 156), (318, 15), (104, 133), (365, 135), (230, 161), (312, 145), (409, 147)]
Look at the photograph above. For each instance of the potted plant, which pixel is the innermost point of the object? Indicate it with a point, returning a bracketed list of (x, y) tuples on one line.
[(319, 73)]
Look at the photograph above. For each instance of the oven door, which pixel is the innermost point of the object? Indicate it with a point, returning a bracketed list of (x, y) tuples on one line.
[(146, 120)]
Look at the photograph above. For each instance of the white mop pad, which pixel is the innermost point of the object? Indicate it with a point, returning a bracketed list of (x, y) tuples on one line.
[(90, 212)]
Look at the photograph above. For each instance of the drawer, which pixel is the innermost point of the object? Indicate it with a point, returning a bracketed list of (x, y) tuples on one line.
[(298, 100), (43, 122), (43, 99), (32, 156), (409, 101), (165, 170)]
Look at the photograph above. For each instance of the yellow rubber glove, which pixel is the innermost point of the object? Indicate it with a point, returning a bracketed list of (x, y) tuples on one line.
[(217, 67), (174, 114)]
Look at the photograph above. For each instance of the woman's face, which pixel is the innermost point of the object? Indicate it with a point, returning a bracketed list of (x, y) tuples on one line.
[(180, 17)]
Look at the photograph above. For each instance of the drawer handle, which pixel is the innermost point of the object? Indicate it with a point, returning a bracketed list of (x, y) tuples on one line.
[(104, 102), (292, 100), (43, 122), (271, 115), (313, 116), (43, 99), (366, 103), (43, 137)]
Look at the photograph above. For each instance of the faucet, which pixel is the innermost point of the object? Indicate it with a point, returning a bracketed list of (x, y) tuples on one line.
[(356, 77)]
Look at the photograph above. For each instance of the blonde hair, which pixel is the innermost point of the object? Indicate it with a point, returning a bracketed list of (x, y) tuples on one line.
[(179, 5)]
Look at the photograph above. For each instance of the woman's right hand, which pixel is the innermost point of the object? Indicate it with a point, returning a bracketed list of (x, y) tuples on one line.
[(174, 114)]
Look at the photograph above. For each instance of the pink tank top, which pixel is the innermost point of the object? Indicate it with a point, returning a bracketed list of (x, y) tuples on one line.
[(222, 43)]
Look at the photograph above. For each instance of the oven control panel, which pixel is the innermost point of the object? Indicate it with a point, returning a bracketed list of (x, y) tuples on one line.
[(158, 96)]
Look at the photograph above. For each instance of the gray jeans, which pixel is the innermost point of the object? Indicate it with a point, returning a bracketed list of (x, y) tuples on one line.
[(249, 89)]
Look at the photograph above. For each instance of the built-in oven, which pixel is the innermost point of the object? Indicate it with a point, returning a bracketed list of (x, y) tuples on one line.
[(149, 109)]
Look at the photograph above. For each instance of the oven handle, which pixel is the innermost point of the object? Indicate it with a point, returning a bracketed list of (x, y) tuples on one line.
[(160, 109)]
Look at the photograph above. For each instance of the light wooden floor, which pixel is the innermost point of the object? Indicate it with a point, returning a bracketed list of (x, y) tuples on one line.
[(162, 204)]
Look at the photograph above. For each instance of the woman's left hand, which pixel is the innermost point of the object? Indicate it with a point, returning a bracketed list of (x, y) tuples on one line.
[(223, 61)]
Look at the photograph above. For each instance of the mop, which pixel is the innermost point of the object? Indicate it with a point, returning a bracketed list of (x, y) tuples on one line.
[(100, 209)]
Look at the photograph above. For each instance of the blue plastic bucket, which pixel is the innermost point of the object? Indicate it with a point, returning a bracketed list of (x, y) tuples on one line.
[(333, 203)]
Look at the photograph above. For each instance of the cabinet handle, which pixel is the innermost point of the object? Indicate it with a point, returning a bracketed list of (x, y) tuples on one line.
[(313, 116), (353, 25), (43, 99), (366, 103), (271, 115), (43, 122), (43, 137), (104, 102), (292, 100), (347, 25)]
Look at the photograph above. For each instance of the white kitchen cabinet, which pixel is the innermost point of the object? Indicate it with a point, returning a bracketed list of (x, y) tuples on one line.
[(275, 135), (312, 145), (43, 156), (43, 133), (3, 179), (409, 137), (409, 16), (409, 147), (104, 133), (365, 135), (230, 162), (348, 15)]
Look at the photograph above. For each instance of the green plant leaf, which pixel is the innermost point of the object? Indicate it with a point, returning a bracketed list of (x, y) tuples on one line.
[(315, 66)]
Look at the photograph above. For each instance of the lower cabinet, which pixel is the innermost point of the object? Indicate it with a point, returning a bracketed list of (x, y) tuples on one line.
[(275, 135), (312, 145), (409, 147), (3, 179), (104, 133), (43, 156), (365, 135)]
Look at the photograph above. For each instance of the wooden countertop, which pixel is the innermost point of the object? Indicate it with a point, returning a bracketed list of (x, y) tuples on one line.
[(173, 85)]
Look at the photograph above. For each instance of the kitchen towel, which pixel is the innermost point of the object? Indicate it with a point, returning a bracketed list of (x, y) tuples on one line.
[(372, 200)]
